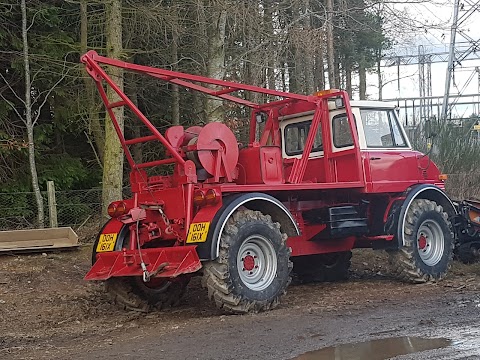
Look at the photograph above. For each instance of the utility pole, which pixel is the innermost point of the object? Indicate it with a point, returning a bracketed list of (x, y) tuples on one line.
[(421, 80), (429, 87), (477, 69), (425, 83), (451, 60), (398, 77)]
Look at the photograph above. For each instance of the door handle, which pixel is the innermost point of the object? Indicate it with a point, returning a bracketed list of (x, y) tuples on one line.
[(375, 158)]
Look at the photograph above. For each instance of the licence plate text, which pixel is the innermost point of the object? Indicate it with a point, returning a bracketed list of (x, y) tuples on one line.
[(198, 232), (107, 242)]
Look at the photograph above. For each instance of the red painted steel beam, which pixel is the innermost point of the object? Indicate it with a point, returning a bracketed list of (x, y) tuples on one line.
[(156, 163), (140, 140), (206, 90), (116, 126), (98, 74), (187, 79), (116, 104), (300, 165), (292, 187)]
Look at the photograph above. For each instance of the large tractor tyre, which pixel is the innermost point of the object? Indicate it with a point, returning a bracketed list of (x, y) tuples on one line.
[(322, 267), (131, 293), (468, 253), (428, 243), (253, 268)]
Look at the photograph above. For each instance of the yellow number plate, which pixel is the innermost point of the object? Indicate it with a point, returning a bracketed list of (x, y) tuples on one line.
[(106, 242), (198, 232)]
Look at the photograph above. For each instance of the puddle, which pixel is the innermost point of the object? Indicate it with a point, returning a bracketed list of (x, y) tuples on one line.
[(379, 349)]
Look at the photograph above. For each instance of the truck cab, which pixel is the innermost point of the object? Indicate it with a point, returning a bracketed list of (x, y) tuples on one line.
[(389, 163)]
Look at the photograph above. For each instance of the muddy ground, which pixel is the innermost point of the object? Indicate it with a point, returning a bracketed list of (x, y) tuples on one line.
[(48, 312)]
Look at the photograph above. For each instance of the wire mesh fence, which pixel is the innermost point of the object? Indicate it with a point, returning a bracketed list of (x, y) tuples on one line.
[(75, 208), (82, 209)]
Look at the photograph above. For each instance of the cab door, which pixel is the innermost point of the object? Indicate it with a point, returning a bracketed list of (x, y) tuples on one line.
[(390, 163)]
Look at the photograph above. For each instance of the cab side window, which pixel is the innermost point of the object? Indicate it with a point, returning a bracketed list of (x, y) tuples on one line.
[(381, 128), (296, 136), (342, 135)]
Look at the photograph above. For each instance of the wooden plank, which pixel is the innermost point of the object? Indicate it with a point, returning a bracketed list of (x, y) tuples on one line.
[(38, 239)]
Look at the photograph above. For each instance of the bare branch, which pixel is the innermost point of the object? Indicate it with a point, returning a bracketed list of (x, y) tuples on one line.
[(46, 97), (33, 21), (11, 89), (12, 105)]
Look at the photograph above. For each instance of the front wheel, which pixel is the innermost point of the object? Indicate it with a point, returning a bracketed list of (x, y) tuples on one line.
[(253, 267), (428, 243)]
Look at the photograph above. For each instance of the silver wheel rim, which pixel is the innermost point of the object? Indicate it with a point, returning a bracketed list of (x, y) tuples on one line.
[(430, 242), (257, 262)]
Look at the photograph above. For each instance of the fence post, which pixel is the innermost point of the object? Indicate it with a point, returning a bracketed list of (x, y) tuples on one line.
[(52, 204)]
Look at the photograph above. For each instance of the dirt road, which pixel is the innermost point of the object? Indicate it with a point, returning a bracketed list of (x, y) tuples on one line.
[(48, 312)]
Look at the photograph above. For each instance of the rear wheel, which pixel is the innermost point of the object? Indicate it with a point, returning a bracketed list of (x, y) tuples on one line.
[(253, 269), (132, 293), (428, 243), (322, 267)]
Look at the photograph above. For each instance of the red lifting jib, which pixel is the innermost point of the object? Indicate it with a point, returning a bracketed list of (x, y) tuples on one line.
[(213, 148)]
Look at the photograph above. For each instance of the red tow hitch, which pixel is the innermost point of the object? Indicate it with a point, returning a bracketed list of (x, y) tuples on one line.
[(163, 262)]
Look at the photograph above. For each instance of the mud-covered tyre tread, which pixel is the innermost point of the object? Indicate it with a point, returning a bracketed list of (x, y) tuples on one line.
[(124, 295), (127, 294), (312, 268), (216, 277), (168, 299), (405, 264), (466, 254)]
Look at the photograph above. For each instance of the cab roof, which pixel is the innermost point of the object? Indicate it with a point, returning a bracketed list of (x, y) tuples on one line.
[(372, 104)]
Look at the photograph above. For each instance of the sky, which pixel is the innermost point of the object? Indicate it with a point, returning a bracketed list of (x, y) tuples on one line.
[(434, 22)]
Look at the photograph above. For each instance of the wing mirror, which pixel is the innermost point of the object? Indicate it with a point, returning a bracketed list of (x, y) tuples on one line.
[(261, 117)]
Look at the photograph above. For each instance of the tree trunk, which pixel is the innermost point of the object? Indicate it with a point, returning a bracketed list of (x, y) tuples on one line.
[(29, 120), (379, 74), (298, 54), (330, 48), (338, 74), (253, 64), (269, 33), (175, 88), (348, 79), (113, 153), (308, 68), (319, 67), (200, 21), (362, 74), (93, 117), (216, 57)]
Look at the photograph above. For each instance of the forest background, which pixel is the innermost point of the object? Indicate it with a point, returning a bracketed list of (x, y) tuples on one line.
[(52, 125)]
